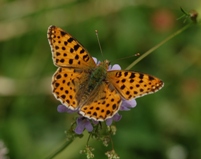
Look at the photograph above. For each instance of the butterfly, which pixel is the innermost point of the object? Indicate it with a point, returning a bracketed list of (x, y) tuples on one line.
[(91, 89)]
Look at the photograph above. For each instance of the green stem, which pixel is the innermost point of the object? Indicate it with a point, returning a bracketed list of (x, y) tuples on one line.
[(88, 139), (112, 144), (158, 45), (60, 149)]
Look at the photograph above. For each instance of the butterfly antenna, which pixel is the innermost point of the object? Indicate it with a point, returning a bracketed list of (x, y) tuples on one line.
[(99, 42), (128, 57)]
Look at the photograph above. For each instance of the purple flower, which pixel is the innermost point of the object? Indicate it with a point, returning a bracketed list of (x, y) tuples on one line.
[(125, 106), (64, 109), (114, 67), (116, 118), (85, 123), (128, 104), (95, 60)]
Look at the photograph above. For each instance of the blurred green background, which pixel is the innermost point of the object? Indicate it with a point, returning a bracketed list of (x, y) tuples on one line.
[(165, 125)]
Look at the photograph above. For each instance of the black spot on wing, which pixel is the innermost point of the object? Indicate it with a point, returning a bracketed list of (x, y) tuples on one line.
[(63, 33)]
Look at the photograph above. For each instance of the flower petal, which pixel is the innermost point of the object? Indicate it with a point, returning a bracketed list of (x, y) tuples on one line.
[(95, 122), (116, 117), (88, 126), (64, 109), (109, 121), (116, 67), (95, 60), (83, 123), (128, 104), (80, 126)]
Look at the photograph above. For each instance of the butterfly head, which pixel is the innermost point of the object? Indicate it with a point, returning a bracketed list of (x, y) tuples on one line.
[(105, 64)]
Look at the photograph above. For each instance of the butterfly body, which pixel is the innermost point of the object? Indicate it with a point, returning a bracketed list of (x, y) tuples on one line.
[(80, 84), (97, 76), (88, 87)]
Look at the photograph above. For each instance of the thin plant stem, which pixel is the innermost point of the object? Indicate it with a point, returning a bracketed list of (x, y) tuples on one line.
[(158, 45), (88, 139), (60, 149), (112, 144)]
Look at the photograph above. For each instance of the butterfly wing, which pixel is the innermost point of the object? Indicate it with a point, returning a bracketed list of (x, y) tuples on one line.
[(67, 51), (104, 106), (133, 84), (65, 85)]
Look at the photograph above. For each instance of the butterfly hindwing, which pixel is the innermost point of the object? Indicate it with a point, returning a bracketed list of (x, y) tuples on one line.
[(104, 106), (65, 86)]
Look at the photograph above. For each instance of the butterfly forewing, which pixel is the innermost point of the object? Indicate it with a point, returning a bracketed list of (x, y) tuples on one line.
[(133, 84), (68, 52)]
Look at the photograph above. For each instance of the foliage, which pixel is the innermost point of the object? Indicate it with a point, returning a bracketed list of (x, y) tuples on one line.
[(163, 125)]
